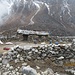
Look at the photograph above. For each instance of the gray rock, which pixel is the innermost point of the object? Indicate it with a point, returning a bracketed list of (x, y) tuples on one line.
[(44, 55), (48, 72), (18, 56), (36, 50), (17, 73), (13, 72), (0, 60), (11, 67), (18, 49), (38, 58), (74, 49), (33, 49), (61, 63), (30, 52), (28, 71), (16, 69), (14, 56), (5, 73), (28, 57), (60, 58), (5, 61), (66, 46), (72, 60), (37, 67), (21, 58), (0, 64), (24, 64), (8, 65), (16, 60), (10, 53), (1, 55)]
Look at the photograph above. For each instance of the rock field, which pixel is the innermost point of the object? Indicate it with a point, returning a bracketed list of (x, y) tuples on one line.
[(33, 61)]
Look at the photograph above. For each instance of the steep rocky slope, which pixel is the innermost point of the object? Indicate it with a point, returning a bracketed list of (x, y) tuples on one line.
[(55, 16)]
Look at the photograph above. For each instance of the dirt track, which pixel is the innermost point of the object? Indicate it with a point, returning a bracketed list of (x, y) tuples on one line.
[(26, 44)]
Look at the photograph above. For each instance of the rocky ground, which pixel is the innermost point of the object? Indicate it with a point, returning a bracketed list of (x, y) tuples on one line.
[(40, 60)]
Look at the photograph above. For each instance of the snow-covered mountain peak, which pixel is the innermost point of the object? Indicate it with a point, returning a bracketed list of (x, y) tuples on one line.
[(44, 12), (9, 7)]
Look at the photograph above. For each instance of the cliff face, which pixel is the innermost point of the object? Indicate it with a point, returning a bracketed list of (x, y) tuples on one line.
[(55, 16)]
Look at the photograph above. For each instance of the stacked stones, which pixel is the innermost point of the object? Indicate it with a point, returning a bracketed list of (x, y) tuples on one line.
[(57, 53), (9, 70), (24, 70)]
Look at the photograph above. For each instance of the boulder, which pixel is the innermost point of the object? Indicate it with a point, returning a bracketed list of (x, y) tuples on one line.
[(24, 64), (5, 73), (48, 72), (8, 65), (61, 58), (28, 70), (21, 59), (0, 60), (28, 57), (5, 61), (16, 60), (11, 67), (37, 67), (72, 60)]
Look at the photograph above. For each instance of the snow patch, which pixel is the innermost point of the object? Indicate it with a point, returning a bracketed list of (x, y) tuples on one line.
[(8, 43), (48, 8), (66, 6), (31, 20), (1, 42)]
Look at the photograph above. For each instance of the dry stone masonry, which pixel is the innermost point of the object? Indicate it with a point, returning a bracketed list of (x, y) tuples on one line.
[(59, 54)]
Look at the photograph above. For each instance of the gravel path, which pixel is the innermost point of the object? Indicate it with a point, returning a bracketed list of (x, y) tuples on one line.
[(25, 44)]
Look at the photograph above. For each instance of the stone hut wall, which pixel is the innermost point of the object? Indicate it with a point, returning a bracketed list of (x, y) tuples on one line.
[(38, 38)]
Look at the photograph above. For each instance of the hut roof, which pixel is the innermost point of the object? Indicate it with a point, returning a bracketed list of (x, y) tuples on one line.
[(31, 32)]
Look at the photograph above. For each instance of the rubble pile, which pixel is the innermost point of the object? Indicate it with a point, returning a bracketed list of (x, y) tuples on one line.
[(24, 70), (59, 54)]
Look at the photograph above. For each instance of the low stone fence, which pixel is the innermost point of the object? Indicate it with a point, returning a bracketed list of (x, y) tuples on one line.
[(59, 54)]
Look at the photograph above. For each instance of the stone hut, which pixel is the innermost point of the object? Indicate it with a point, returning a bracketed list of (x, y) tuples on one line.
[(31, 35)]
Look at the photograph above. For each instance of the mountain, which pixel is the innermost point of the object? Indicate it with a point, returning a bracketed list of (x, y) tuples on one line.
[(55, 16)]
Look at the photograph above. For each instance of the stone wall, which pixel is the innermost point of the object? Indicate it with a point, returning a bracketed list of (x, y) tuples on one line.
[(58, 54), (38, 38)]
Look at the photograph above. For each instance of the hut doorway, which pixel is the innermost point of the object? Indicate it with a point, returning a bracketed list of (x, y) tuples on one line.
[(25, 37)]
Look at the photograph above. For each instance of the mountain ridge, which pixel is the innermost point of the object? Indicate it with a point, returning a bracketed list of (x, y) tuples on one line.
[(57, 16)]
